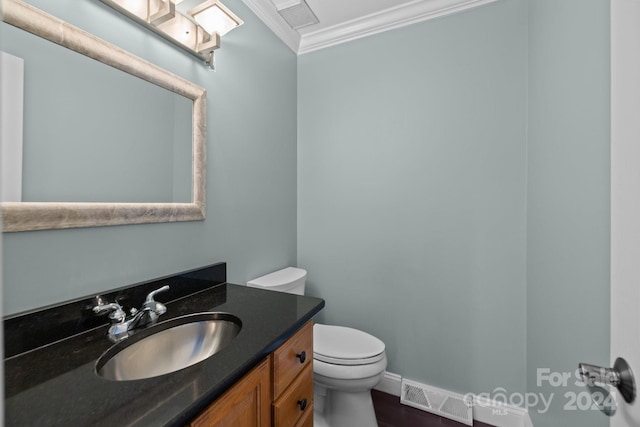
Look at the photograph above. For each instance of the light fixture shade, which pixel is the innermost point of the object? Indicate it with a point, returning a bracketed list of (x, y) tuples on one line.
[(214, 17), (197, 31)]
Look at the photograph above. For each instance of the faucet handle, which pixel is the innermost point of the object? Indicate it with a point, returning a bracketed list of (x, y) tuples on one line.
[(152, 294), (157, 308), (117, 313)]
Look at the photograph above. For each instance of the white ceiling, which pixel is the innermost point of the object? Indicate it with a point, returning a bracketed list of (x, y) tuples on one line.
[(345, 20)]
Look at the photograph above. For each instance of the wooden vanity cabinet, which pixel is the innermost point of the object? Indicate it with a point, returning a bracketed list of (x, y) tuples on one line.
[(278, 392), (246, 404)]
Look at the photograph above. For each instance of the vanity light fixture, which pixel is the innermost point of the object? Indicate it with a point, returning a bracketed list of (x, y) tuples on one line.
[(196, 30)]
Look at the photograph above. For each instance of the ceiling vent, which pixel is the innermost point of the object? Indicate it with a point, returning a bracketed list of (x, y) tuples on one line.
[(297, 13)]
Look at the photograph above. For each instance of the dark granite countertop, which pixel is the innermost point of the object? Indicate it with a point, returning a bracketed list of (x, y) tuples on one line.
[(51, 383)]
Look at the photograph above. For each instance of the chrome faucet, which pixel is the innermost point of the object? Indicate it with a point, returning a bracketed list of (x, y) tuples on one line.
[(149, 313)]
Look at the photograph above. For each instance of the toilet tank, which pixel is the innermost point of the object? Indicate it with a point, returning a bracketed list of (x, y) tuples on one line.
[(290, 280)]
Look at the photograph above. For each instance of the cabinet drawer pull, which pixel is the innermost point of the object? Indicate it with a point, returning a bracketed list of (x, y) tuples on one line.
[(303, 404), (302, 356)]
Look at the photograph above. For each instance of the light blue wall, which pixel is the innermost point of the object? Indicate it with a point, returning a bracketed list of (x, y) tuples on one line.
[(567, 198), (453, 195), (412, 191), (251, 179), (453, 189)]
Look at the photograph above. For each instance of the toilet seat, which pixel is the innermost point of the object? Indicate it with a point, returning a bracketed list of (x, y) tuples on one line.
[(348, 362), (339, 345)]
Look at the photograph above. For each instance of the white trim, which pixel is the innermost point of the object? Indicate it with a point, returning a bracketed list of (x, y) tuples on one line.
[(285, 4), (490, 412), (389, 19), (266, 11), (406, 14), (501, 415), (390, 384), (625, 203), (527, 421)]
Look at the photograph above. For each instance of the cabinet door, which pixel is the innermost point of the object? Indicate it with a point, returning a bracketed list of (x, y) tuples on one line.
[(246, 404)]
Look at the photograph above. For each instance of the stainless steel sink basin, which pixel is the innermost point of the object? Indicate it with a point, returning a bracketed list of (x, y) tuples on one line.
[(169, 346)]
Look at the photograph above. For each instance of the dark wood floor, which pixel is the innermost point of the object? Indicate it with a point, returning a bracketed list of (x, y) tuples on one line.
[(391, 413)]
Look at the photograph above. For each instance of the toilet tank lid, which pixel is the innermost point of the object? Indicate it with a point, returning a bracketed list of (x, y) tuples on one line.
[(279, 278)]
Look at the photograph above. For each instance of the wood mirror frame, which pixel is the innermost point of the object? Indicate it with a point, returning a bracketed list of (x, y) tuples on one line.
[(24, 216)]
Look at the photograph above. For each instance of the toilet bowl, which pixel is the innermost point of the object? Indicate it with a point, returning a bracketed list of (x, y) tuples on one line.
[(347, 362)]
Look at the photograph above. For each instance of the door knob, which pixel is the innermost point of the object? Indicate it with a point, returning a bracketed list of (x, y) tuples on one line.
[(620, 377)]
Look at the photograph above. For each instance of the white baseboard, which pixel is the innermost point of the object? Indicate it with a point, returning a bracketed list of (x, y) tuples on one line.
[(528, 422), (500, 415), (390, 384), (489, 412)]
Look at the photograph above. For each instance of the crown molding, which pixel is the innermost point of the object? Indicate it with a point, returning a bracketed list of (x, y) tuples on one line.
[(388, 19)]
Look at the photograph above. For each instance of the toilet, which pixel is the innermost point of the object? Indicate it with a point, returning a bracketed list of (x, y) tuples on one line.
[(347, 362)]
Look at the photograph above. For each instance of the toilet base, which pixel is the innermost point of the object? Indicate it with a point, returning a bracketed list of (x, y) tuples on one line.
[(344, 409), (318, 419)]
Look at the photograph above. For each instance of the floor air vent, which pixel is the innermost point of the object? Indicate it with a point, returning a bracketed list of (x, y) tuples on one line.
[(437, 401)]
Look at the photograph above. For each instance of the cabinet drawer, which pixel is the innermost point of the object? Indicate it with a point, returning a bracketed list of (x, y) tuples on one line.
[(296, 401), (291, 358), (307, 419)]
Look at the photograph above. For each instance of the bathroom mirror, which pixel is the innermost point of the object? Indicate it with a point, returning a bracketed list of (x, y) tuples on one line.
[(173, 202)]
